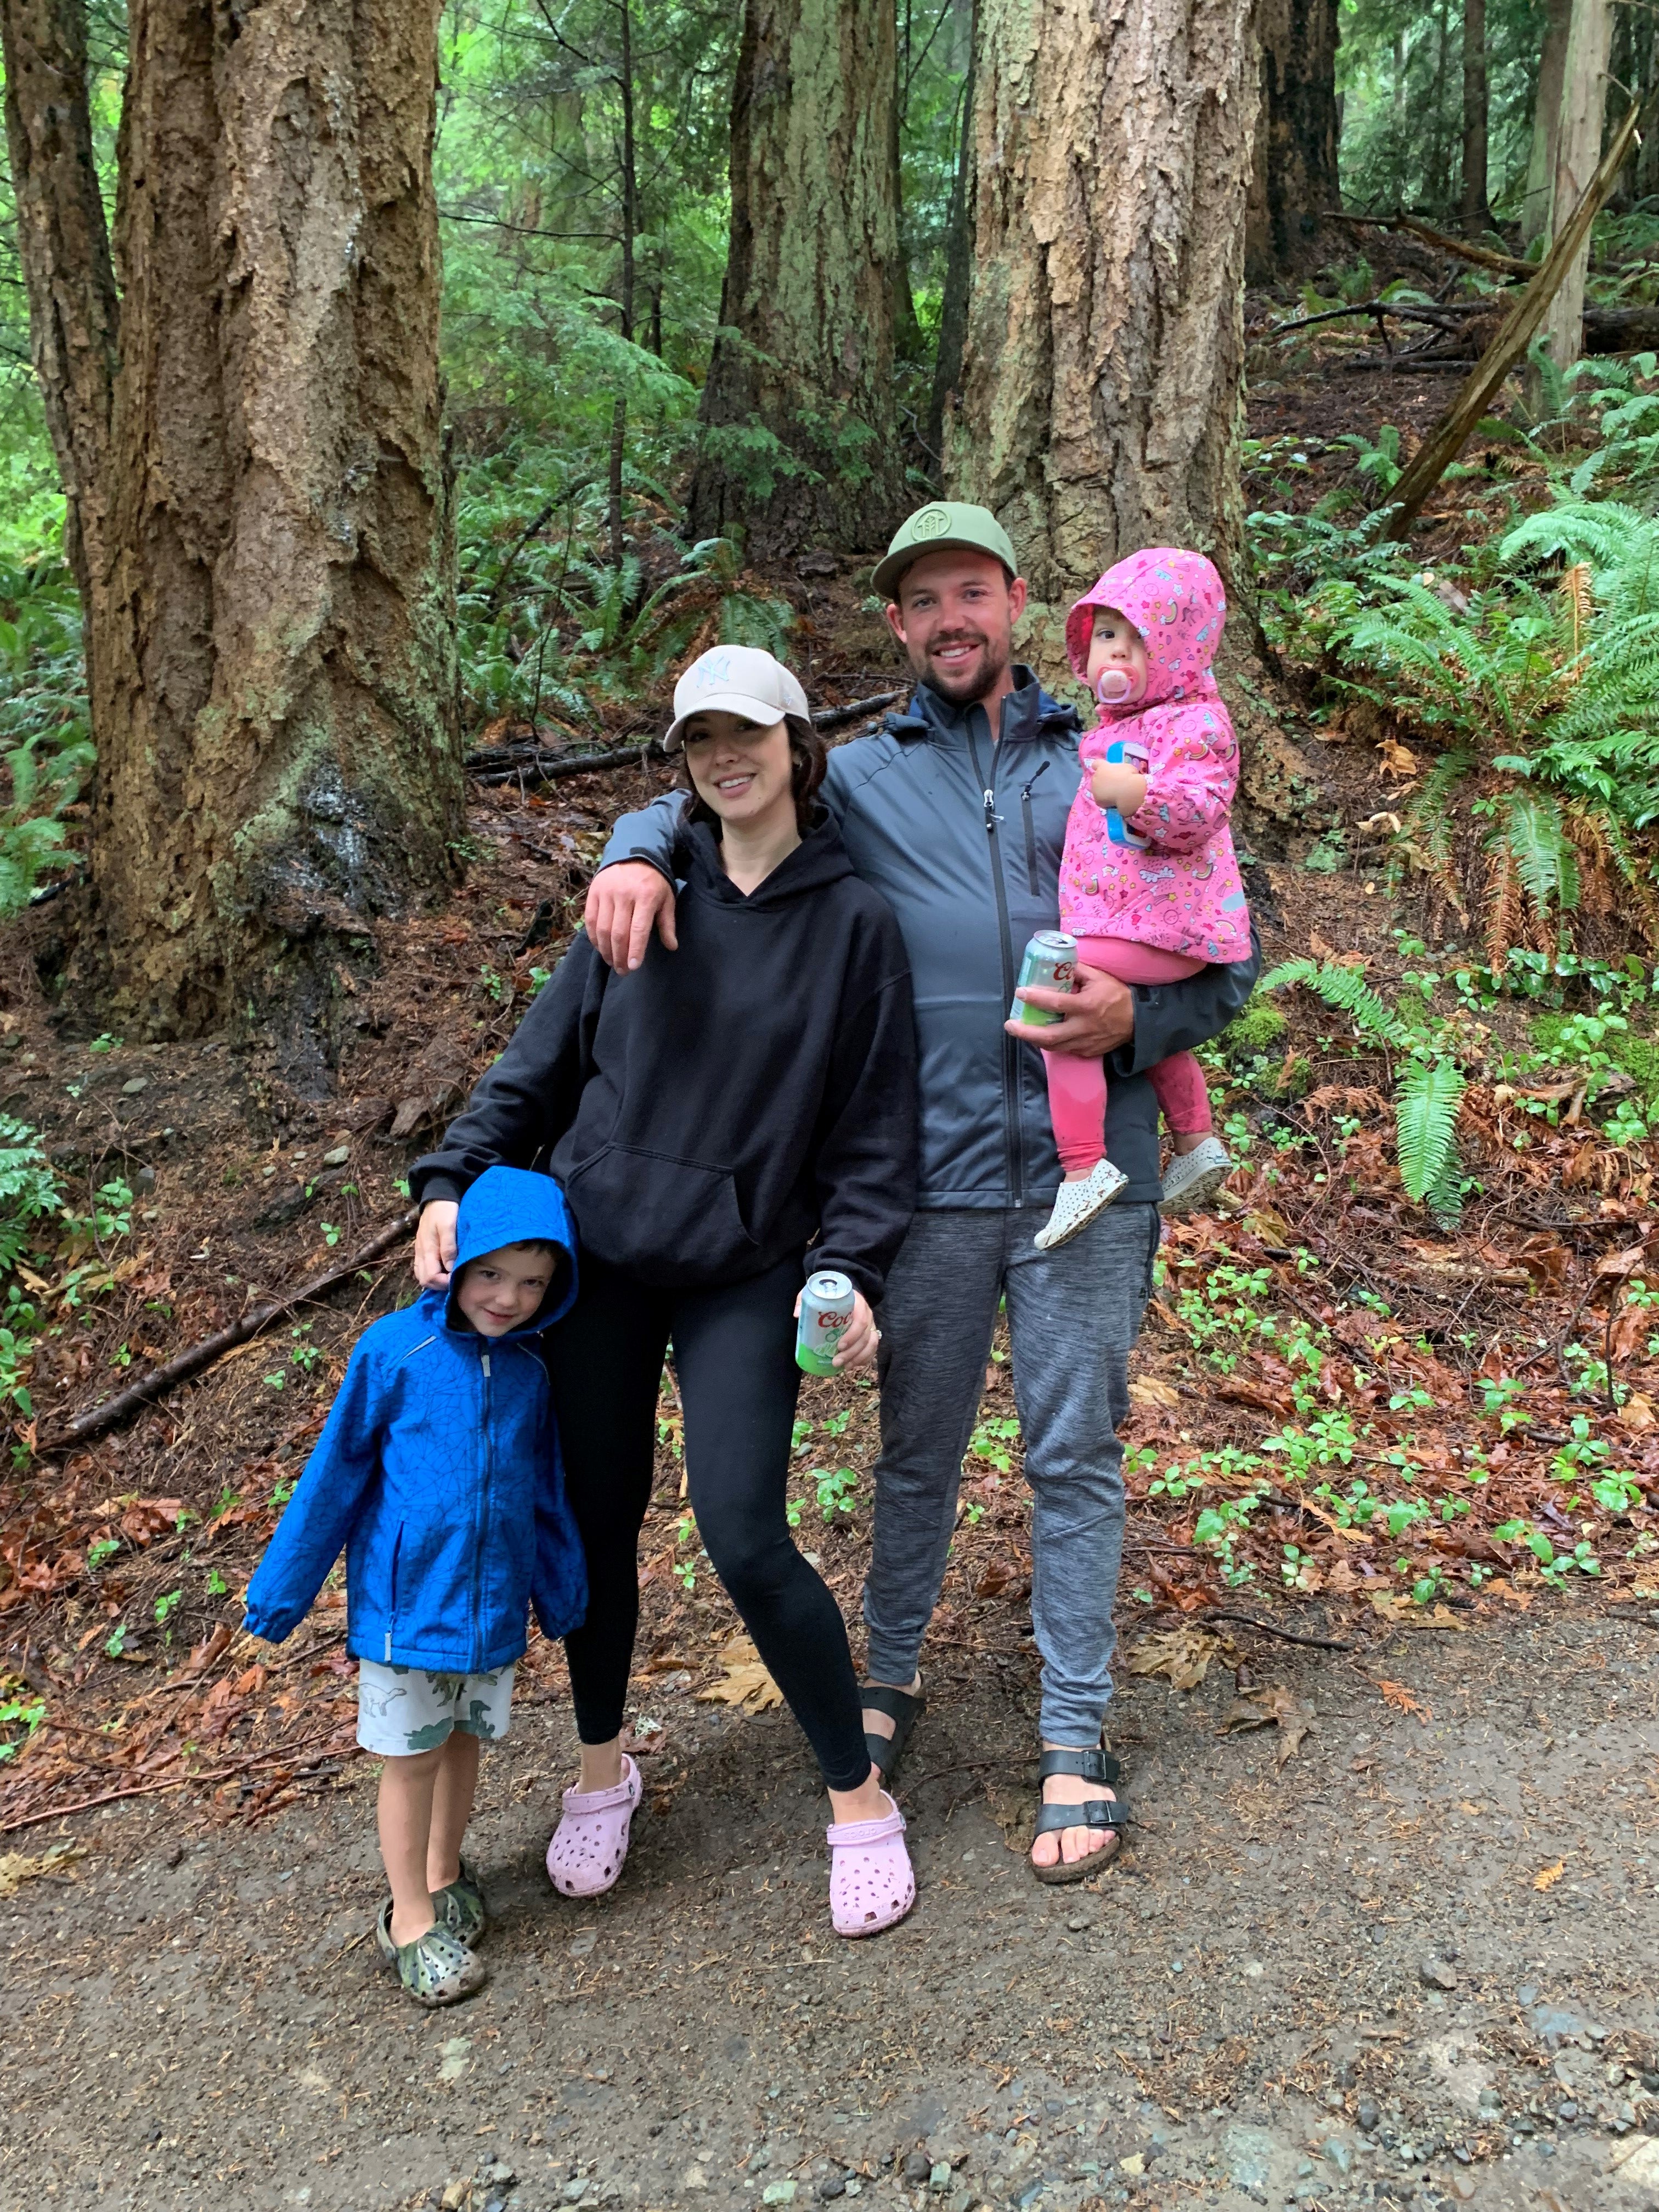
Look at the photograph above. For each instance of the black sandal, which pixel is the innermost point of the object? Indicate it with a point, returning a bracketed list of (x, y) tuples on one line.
[(1096, 1765), (903, 1710)]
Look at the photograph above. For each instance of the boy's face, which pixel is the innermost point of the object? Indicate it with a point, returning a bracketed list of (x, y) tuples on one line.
[(502, 1290), (1116, 644)]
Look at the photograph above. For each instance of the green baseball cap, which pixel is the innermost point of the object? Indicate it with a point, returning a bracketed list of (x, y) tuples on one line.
[(943, 526)]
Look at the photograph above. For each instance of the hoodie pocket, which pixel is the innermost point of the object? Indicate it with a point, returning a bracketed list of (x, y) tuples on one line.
[(667, 1220)]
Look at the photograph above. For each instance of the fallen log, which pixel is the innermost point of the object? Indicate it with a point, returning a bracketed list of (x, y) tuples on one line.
[(502, 763), (1482, 256), (199, 1356), (1473, 403)]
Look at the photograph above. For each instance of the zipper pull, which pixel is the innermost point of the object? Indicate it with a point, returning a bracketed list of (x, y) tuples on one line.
[(992, 817), (486, 1366)]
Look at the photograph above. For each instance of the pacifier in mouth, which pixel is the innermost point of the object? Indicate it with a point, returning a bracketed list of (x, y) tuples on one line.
[(1112, 688)]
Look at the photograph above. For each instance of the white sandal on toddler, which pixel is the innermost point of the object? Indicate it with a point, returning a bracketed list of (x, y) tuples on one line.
[(1076, 1205)]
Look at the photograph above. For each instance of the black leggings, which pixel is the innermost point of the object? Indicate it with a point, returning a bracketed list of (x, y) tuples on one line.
[(734, 1356)]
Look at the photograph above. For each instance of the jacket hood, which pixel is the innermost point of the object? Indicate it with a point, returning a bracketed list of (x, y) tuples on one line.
[(1027, 711), (510, 1206), (819, 859), (1176, 600)]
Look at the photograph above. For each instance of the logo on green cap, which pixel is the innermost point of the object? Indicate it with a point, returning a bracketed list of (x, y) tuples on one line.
[(932, 522)]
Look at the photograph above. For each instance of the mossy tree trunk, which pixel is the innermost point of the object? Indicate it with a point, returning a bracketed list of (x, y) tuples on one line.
[(1103, 384), (804, 353), (1294, 179), (1577, 155), (269, 589), (63, 249)]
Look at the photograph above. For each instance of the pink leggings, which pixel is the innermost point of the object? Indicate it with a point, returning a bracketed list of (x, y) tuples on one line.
[(1076, 1088)]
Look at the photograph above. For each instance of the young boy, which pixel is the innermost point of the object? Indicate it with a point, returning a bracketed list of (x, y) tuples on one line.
[(439, 1471)]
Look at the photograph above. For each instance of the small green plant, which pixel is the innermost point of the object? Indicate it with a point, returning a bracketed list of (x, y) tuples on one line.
[(167, 1606), (332, 1234), (834, 1490), (216, 1584), (101, 1549), (993, 1440), (116, 1643), (26, 1713)]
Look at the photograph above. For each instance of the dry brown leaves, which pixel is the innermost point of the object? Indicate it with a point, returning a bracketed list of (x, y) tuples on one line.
[(744, 1681), (1270, 1705)]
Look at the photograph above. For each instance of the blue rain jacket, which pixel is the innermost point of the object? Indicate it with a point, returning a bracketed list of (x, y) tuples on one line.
[(439, 1471)]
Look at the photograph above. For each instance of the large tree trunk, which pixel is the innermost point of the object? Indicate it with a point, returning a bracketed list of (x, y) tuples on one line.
[(1578, 152), (63, 248), (1546, 122), (1476, 209), (805, 348), (1294, 178), (274, 678), (1103, 386), (958, 270)]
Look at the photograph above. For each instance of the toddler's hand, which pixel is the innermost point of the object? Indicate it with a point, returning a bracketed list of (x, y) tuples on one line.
[(1116, 786)]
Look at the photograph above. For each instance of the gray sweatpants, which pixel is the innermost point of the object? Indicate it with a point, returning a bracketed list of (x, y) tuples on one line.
[(1073, 1315)]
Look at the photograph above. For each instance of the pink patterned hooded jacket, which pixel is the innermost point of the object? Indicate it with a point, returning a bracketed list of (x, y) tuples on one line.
[(1183, 892)]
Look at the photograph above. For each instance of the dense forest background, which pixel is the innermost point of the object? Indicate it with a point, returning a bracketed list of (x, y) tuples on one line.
[(393, 398)]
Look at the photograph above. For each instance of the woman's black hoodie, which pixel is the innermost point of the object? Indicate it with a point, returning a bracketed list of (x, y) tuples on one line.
[(709, 1112)]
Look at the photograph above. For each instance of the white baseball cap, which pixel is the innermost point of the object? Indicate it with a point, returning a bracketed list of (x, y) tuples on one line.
[(735, 680)]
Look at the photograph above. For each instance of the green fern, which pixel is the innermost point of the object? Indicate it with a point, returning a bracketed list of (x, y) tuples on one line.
[(1425, 1125), (1345, 988)]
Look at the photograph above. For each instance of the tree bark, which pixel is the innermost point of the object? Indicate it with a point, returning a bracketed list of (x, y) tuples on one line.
[(1295, 176), (1477, 209), (63, 246), (958, 273), (274, 694), (1102, 385), (1578, 151), (804, 351), (1546, 123)]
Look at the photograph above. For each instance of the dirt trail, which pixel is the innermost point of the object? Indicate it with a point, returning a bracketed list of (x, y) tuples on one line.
[(1348, 1980)]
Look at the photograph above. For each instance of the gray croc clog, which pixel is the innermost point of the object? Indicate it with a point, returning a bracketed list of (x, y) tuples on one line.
[(459, 1906), (435, 1969)]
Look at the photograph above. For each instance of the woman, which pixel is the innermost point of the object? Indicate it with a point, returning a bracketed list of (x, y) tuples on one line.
[(709, 1113)]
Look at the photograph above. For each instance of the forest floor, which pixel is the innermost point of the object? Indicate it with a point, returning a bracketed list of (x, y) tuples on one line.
[(1387, 1923)]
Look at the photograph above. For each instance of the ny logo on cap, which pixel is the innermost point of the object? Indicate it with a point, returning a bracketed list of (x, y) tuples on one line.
[(713, 670), (932, 522)]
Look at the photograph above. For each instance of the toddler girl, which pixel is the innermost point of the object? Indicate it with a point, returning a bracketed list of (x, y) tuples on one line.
[(1149, 884)]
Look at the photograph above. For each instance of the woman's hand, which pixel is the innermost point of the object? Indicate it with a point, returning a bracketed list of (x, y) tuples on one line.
[(858, 1339), (1115, 785), (434, 1242)]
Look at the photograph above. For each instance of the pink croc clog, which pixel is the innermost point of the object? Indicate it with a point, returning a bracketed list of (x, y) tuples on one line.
[(591, 1842), (872, 1886)]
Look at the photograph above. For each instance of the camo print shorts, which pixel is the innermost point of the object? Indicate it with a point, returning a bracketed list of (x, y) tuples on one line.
[(404, 1710)]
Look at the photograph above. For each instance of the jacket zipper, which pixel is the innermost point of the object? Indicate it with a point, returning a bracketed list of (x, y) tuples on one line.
[(1031, 830), (1010, 1050), (484, 1512)]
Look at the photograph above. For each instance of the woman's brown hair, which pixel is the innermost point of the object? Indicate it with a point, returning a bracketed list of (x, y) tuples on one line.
[(808, 758)]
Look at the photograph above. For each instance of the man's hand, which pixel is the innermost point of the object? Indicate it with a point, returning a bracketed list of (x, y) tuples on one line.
[(625, 902), (435, 1243), (1095, 1019), (858, 1339)]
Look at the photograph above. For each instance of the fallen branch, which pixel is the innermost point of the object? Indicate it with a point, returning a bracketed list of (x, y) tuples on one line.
[(179, 1781), (1505, 264), (160, 1380), (1285, 1635), (1473, 403), (502, 763)]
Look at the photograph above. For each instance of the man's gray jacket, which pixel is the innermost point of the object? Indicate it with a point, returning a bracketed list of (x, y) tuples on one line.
[(962, 838)]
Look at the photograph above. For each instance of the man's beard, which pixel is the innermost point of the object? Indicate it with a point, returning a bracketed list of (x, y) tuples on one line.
[(973, 682)]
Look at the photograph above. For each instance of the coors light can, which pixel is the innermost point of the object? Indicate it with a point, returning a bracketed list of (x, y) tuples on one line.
[(826, 1309), (1050, 963)]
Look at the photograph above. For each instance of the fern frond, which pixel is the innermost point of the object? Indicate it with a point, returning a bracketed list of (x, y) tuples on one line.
[(1503, 908), (1345, 989), (1426, 1121), (1578, 595)]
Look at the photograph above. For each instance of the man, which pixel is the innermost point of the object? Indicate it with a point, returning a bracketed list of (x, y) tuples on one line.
[(957, 813)]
